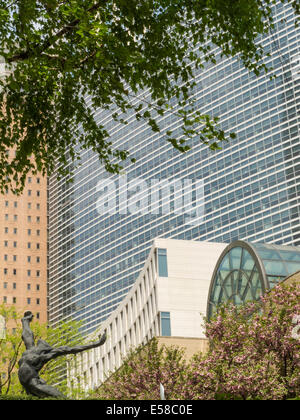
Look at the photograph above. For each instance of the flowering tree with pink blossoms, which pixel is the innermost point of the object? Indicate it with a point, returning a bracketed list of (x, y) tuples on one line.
[(254, 354), (143, 371)]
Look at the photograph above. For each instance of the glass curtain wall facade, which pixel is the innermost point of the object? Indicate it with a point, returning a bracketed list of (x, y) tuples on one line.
[(246, 271), (249, 190)]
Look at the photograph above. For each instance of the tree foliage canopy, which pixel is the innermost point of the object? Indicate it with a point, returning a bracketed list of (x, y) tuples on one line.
[(142, 372), (254, 351), (58, 53)]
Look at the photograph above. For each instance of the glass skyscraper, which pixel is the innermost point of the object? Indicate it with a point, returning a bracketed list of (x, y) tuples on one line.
[(100, 233)]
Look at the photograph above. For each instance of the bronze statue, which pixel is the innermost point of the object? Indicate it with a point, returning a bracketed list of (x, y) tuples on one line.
[(36, 356)]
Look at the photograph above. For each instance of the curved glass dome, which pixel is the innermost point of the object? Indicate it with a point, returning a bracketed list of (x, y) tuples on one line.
[(245, 271)]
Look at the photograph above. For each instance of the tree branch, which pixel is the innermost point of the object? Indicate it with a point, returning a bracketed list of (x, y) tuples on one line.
[(51, 40), (11, 366), (87, 58)]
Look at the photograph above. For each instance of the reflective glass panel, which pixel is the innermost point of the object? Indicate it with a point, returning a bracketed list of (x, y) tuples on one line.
[(165, 324), (275, 268), (273, 280), (292, 267), (162, 262), (238, 279), (247, 262), (217, 288), (236, 254), (290, 256), (268, 254)]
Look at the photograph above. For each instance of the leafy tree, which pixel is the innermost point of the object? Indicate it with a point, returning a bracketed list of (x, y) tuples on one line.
[(143, 371), (128, 57), (253, 355), (12, 347), (253, 352)]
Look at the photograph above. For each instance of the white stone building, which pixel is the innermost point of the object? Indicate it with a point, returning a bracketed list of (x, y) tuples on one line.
[(168, 300)]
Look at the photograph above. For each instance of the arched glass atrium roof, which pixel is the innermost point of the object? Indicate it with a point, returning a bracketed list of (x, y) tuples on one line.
[(245, 271)]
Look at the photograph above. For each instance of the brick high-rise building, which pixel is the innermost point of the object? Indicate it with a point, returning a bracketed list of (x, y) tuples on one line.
[(23, 248)]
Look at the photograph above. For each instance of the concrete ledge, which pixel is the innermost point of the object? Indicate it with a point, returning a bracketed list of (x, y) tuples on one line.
[(294, 278), (189, 344)]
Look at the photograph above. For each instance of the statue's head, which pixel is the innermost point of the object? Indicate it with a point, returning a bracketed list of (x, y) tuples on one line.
[(43, 345), (28, 315)]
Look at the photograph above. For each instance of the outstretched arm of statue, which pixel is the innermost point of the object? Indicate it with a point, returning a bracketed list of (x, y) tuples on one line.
[(64, 350), (27, 334)]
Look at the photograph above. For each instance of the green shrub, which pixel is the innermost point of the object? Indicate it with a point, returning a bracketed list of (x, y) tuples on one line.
[(23, 397)]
